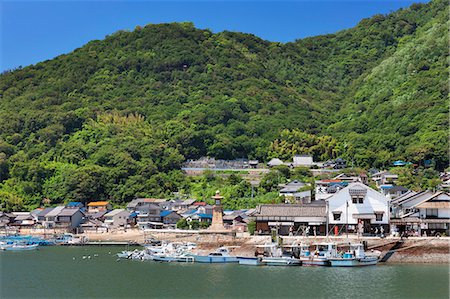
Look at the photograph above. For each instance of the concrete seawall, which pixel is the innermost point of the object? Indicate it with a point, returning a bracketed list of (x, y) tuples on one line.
[(394, 250)]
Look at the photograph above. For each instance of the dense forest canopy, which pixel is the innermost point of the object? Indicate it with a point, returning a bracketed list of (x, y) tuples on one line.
[(115, 118)]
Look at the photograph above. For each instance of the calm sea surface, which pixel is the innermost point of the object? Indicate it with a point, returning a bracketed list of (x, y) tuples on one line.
[(52, 272)]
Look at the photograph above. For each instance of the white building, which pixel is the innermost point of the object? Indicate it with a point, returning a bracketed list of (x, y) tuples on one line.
[(360, 207), (421, 213), (303, 160)]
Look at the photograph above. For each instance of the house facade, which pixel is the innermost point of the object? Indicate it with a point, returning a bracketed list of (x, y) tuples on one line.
[(293, 192), (424, 213), (358, 209), (98, 206), (117, 218), (305, 219)]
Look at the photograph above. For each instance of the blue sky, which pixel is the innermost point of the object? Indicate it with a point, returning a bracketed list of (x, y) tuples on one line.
[(34, 31)]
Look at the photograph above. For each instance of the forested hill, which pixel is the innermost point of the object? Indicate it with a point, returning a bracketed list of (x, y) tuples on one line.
[(116, 118)]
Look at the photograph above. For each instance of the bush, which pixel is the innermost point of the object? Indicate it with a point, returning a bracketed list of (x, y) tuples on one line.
[(204, 224), (195, 224), (251, 226), (182, 224)]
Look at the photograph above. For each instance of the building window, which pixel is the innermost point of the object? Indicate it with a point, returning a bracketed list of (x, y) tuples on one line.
[(437, 226), (357, 199), (337, 216), (379, 216), (432, 213)]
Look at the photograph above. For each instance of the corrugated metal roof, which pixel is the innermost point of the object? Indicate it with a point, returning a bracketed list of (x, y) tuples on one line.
[(98, 203)]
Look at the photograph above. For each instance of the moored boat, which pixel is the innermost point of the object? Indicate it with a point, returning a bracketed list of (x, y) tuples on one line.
[(221, 255), (355, 256), (281, 261), (250, 261), (20, 247), (273, 256), (319, 256)]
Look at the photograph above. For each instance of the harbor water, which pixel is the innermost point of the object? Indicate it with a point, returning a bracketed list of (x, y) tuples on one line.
[(62, 272)]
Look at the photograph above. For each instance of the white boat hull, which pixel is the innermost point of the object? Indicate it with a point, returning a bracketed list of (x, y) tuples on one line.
[(250, 261), (314, 261), (281, 261), (21, 247), (353, 262), (179, 259)]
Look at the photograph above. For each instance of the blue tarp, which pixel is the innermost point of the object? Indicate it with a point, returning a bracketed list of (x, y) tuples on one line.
[(208, 216), (399, 163), (164, 213)]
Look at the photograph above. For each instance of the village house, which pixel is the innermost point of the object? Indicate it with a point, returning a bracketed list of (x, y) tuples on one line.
[(93, 226), (70, 218), (275, 162), (182, 205), (98, 206), (303, 161), (148, 216), (117, 218), (292, 218), (293, 192), (48, 217), (61, 217), (358, 209), (422, 213), (22, 219), (394, 191), (169, 217), (201, 217), (75, 204), (339, 163), (326, 188), (6, 218), (143, 203), (384, 178)]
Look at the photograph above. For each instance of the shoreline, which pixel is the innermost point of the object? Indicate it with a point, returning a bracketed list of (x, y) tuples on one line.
[(415, 250)]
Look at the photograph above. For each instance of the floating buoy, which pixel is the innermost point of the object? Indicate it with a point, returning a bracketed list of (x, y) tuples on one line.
[(84, 257), (89, 257), (73, 258)]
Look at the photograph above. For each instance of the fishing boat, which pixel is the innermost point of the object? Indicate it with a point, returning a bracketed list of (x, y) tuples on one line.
[(274, 256), (182, 258), (125, 254), (250, 261), (281, 261), (221, 255), (19, 247), (355, 256), (319, 256)]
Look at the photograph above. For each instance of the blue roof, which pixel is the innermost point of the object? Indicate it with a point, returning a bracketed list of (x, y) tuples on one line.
[(74, 204), (205, 216), (164, 213), (399, 163), (134, 214)]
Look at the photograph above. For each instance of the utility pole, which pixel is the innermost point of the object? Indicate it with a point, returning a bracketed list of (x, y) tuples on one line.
[(326, 209), (346, 218)]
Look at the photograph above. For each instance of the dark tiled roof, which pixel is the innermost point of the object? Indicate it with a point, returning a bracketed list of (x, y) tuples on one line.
[(44, 212), (68, 212), (288, 210)]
